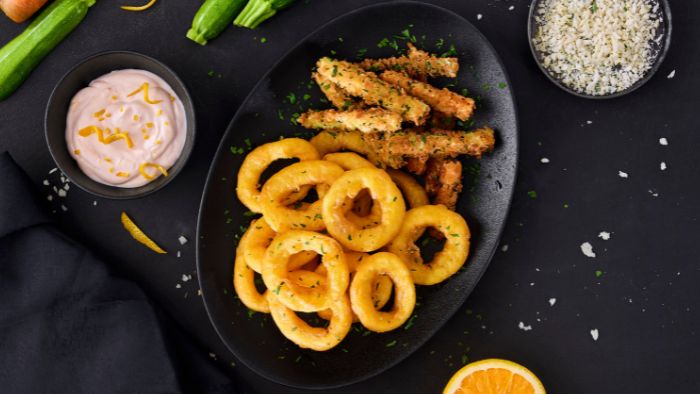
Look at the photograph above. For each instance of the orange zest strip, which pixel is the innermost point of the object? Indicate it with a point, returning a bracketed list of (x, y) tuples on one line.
[(88, 131), (144, 88), (122, 174), (138, 8), (142, 170), (139, 235)]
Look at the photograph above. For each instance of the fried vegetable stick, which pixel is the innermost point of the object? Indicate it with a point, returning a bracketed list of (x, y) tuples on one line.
[(417, 64), (373, 90), (369, 120), (416, 165), (442, 100), (392, 149), (337, 96), (443, 181)]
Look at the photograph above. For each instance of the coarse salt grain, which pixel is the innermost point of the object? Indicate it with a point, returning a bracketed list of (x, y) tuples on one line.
[(479, 16), (544, 160), (600, 47), (663, 141), (594, 334), (671, 74), (524, 327), (587, 249), (663, 166), (182, 240), (552, 301), (623, 174), (604, 235)]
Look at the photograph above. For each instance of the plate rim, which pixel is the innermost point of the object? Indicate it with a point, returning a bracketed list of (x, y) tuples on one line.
[(238, 113)]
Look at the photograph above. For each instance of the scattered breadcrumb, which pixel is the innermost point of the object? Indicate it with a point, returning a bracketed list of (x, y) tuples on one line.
[(663, 166), (524, 327), (663, 141), (594, 334), (604, 235), (587, 249), (623, 174), (552, 301), (671, 74)]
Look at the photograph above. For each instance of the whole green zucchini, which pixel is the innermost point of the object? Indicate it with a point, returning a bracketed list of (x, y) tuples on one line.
[(212, 18), (258, 11), (21, 55)]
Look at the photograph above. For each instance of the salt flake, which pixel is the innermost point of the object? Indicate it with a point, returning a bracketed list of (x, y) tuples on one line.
[(671, 74), (604, 235), (479, 16), (524, 327), (544, 160), (182, 240), (594, 334), (623, 174), (663, 166), (587, 249), (663, 141), (552, 301)]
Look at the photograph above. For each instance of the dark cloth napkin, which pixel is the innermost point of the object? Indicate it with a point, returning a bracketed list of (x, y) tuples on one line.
[(68, 326)]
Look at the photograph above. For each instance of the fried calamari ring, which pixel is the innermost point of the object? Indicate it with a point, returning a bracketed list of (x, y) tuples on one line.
[(290, 179), (413, 192), (306, 336), (255, 241), (384, 193), (260, 158), (244, 284), (299, 298), (381, 286), (361, 287), (446, 262), (335, 141), (362, 204)]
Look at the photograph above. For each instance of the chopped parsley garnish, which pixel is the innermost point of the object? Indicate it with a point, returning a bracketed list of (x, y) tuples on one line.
[(361, 53), (237, 150), (594, 6), (502, 85), (532, 194), (335, 71), (263, 40), (598, 273), (409, 323), (292, 98), (392, 343), (450, 52)]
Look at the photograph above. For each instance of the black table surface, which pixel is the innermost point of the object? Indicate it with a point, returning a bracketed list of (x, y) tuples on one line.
[(541, 297)]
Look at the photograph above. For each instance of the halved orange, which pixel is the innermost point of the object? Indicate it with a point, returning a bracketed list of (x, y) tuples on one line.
[(494, 376)]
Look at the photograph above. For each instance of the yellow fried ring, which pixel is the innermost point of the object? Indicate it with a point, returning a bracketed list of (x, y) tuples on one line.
[(413, 192), (290, 179), (445, 262), (244, 284), (381, 285), (362, 204), (260, 158), (255, 241), (315, 338), (361, 287), (301, 298), (384, 193)]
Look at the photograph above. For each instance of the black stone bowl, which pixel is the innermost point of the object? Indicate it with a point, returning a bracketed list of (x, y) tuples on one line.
[(659, 51), (78, 78)]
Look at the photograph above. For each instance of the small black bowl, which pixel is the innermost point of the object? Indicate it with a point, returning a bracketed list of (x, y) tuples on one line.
[(79, 77), (660, 51)]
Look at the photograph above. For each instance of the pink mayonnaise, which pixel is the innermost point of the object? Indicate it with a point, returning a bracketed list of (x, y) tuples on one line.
[(126, 128)]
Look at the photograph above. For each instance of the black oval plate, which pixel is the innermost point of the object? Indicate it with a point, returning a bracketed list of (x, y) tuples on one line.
[(265, 116)]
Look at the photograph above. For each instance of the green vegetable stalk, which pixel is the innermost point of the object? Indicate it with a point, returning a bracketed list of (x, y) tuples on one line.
[(19, 57), (258, 11), (212, 18)]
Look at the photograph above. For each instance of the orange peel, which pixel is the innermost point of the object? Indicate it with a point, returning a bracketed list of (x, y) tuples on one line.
[(139, 235)]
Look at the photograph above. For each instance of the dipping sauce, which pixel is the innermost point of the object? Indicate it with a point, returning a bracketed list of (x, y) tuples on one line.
[(126, 128)]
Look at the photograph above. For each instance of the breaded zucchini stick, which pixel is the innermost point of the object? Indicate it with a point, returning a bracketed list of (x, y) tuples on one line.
[(416, 165), (337, 96), (417, 64), (373, 90), (443, 181), (442, 100), (369, 120), (392, 149)]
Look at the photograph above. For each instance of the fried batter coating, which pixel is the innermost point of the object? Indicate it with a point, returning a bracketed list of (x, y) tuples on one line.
[(392, 149), (416, 165), (372, 89), (443, 181), (337, 96), (417, 64), (369, 120), (442, 100), (439, 120)]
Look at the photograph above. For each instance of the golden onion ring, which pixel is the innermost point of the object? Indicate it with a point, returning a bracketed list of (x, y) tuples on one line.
[(260, 158), (361, 288), (445, 262), (255, 241), (290, 179), (244, 284), (306, 336), (384, 193), (300, 298), (381, 286), (413, 192)]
